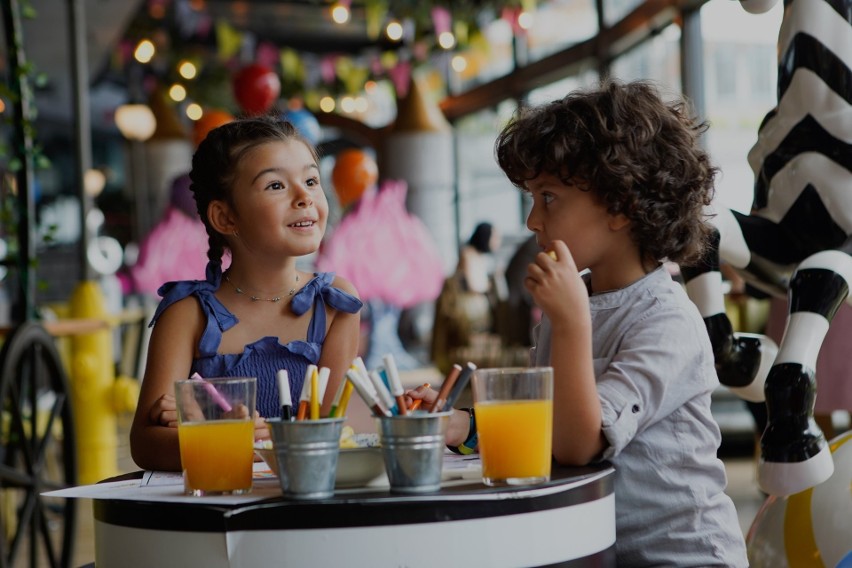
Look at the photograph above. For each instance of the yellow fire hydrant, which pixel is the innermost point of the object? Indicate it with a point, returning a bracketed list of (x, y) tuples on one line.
[(96, 395)]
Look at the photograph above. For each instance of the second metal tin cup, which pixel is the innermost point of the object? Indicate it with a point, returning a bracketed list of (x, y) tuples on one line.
[(413, 449)]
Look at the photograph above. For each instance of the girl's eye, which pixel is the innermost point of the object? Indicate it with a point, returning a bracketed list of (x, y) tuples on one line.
[(275, 185), (312, 182), (547, 198)]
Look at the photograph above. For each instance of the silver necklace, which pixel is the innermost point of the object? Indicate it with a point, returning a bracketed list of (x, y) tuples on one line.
[(274, 299)]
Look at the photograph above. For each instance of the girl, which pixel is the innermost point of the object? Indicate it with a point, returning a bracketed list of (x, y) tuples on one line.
[(257, 190)]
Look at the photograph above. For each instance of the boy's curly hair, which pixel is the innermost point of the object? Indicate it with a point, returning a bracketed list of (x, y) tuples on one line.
[(639, 155), (215, 161)]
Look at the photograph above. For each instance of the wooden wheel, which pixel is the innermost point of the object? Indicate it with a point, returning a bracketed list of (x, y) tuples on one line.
[(37, 452)]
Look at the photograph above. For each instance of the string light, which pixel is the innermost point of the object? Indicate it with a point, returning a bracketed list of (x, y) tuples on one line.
[(177, 92), (340, 12), (187, 70), (447, 40), (347, 104), (459, 63), (194, 111), (394, 31), (327, 104), (145, 51)]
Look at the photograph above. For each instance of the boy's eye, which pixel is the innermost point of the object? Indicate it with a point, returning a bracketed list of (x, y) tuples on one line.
[(312, 182), (547, 198), (275, 185)]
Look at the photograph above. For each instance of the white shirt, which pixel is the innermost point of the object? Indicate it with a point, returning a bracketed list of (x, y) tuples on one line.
[(655, 373)]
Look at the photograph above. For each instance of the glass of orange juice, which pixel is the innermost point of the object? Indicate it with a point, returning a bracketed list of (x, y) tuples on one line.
[(514, 420), (216, 434)]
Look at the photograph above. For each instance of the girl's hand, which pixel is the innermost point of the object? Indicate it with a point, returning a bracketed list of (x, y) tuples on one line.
[(164, 411), (261, 428), (555, 284), (423, 393)]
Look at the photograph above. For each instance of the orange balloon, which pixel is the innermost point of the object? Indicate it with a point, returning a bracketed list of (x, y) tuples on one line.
[(212, 118), (354, 172)]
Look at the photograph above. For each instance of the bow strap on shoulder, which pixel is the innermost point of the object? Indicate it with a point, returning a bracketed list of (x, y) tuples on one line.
[(317, 292), (219, 319)]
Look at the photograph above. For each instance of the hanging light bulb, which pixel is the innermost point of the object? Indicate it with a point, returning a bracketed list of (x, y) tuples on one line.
[(135, 121), (340, 12), (187, 70), (394, 30), (447, 40), (177, 92), (145, 51)]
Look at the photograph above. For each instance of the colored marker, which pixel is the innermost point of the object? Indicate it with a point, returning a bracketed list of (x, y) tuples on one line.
[(335, 402), (445, 388), (344, 398), (460, 385), (395, 383), (371, 400), (284, 395), (214, 394), (315, 391), (324, 372), (383, 392), (305, 397)]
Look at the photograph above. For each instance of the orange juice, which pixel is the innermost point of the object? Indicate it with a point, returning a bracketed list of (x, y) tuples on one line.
[(515, 440), (217, 456)]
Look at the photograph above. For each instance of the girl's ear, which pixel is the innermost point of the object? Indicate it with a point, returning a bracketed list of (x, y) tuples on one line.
[(221, 218), (618, 222)]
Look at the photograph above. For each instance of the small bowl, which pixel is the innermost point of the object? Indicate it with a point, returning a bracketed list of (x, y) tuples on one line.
[(357, 467)]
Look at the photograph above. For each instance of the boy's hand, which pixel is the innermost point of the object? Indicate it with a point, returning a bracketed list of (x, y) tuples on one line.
[(555, 284)]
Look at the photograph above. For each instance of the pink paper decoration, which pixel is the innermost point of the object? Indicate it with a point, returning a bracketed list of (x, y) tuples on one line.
[(387, 253), (441, 19), (400, 74)]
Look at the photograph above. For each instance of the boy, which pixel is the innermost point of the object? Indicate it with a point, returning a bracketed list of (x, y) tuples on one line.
[(619, 185)]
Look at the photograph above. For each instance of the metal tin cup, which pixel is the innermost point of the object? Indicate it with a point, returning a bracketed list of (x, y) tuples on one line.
[(413, 449), (307, 452)]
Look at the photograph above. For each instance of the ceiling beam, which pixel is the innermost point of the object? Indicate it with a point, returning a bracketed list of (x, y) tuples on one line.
[(649, 18)]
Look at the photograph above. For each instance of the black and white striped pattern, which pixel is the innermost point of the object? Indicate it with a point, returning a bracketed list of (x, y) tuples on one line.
[(796, 239)]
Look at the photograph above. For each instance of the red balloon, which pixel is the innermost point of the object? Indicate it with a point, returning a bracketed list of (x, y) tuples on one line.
[(256, 88), (354, 172)]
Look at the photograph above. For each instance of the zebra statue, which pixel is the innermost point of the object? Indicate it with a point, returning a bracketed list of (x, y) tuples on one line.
[(797, 241)]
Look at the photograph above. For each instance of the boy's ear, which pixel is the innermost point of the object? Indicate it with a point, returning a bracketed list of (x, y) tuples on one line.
[(618, 222), (220, 217)]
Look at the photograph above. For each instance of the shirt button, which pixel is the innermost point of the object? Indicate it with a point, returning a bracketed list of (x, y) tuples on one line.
[(635, 408)]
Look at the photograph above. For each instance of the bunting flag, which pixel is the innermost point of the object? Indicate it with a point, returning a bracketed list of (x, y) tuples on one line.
[(400, 74), (461, 30), (327, 69), (292, 66), (441, 20), (228, 40), (267, 55), (375, 11)]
